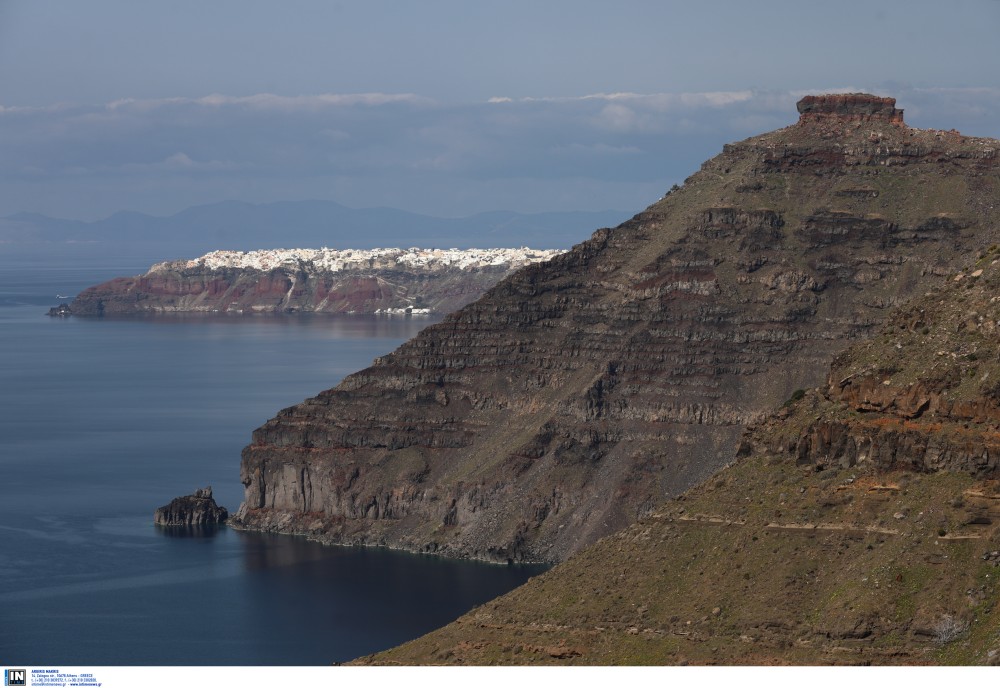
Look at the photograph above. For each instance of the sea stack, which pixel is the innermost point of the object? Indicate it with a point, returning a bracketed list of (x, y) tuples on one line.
[(578, 394), (198, 509)]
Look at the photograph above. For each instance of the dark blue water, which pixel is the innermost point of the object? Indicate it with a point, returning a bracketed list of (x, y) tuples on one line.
[(101, 421)]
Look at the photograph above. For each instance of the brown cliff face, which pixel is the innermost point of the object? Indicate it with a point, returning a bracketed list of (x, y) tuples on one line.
[(922, 396), (859, 525), (576, 395), (858, 107), (285, 290)]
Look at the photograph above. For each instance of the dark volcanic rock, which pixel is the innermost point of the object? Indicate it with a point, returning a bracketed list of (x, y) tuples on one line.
[(193, 510), (576, 395), (850, 106)]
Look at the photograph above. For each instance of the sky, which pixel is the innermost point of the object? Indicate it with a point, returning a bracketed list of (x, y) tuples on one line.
[(445, 107)]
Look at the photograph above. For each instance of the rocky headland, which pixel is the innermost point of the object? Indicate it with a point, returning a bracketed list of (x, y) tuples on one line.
[(857, 524), (420, 281), (198, 509), (578, 394)]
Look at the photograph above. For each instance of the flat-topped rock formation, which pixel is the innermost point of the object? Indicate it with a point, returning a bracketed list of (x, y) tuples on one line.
[(392, 280), (858, 107), (198, 509), (578, 394)]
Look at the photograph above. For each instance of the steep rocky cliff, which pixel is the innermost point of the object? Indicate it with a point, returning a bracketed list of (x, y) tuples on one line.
[(308, 280), (576, 395), (923, 396), (860, 524)]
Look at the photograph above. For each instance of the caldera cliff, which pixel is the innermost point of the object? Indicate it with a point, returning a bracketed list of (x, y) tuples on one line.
[(858, 524), (308, 280), (576, 395)]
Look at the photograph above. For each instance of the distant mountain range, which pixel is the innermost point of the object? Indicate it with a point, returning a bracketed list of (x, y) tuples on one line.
[(243, 226)]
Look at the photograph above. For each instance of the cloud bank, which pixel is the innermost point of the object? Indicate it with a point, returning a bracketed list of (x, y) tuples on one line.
[(592, 152)]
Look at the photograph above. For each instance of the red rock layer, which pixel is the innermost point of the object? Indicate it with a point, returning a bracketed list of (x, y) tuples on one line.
[(282, 290), (850, 106)]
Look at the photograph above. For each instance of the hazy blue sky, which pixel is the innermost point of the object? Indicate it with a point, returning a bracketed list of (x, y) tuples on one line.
[(444, 107)]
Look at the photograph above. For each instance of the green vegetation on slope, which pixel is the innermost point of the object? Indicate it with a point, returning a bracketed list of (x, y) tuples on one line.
[(860, 525)]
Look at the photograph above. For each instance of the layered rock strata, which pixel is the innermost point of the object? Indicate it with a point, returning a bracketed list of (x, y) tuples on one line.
[(859, 525), (198, 509), (309, 280), (576, 395), (924, 396), (859, 107)]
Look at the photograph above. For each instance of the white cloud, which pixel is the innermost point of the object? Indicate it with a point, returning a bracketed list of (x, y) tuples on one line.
[(32, 109), (179, 162), (143, 105), (385, 146), (685, 99), (617, 117), (270, 101)]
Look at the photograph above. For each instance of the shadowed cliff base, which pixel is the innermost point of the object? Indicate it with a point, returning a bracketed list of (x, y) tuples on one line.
[(575, 396)]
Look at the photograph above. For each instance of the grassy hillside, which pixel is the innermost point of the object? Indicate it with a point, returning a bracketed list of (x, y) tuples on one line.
[(858, 525)]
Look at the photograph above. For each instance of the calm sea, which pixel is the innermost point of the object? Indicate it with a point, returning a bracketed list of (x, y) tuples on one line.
[(102, 421)]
